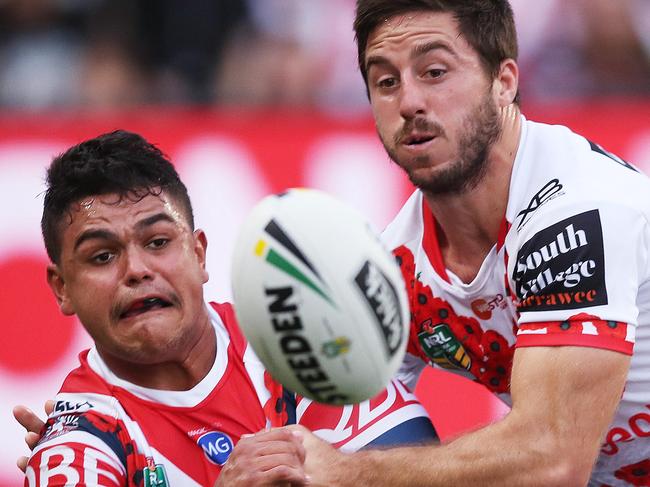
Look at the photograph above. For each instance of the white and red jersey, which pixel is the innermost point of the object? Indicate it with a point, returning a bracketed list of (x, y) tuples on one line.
[(571, 267), (105, 431)]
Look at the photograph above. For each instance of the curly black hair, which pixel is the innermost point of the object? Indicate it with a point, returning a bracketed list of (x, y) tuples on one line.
[(118, 162)]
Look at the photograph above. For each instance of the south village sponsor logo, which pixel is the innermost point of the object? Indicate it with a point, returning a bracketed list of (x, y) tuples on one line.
[(563, 266)]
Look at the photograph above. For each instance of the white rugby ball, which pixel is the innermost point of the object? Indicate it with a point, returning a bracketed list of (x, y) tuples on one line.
[(319, 298)]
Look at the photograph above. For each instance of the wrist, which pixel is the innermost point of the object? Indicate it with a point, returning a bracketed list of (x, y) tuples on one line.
[(354, 469)]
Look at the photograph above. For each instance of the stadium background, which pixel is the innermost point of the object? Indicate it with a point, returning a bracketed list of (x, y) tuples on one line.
[(249, 97)]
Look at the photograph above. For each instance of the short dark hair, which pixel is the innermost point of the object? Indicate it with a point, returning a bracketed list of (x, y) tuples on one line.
[(487, 25), (119, 162)]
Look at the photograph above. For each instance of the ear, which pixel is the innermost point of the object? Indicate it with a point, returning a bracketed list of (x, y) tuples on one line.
[(200, 248), (57, 285), (506, 84)]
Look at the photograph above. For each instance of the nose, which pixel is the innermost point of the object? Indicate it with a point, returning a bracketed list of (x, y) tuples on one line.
[(412, 99), (136, 267)]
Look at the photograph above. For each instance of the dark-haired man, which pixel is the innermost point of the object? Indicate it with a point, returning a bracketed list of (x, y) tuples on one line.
[(171, 393), (525, 251)]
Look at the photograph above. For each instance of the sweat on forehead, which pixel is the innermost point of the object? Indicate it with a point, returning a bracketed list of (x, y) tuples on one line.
[(119, 162)]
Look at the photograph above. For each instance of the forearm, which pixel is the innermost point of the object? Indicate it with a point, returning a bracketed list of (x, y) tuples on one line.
[(562, 406), (501, 454)]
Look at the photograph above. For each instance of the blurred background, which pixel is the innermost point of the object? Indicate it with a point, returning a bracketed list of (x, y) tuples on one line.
[(100, 54), (250, 97)]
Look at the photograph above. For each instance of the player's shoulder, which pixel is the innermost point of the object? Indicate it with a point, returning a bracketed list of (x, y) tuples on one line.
[(84, 392), (572, 152), (84, 379), (86, 436), (87, 429), (558, 173)]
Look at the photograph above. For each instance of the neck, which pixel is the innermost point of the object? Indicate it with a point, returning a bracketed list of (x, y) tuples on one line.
[(468, 224), (185, 368)]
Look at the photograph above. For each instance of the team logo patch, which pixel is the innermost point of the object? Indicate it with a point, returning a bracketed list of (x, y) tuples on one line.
[(154, 475), (217, 446), (563, 266), (442, 347), (384, 303), (61, 425)]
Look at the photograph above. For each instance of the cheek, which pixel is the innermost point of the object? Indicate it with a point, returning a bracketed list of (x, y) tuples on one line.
[(385, 129), (88, 290)]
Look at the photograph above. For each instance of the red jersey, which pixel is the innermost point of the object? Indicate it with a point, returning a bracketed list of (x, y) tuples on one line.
[(109, 432)]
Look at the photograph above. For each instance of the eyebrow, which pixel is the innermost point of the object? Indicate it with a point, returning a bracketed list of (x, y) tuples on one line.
[(102, 234), (98, 234), (153, 219), (416, 52), (421, 49)]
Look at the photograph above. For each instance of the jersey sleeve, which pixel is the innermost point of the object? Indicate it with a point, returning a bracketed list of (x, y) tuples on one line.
[(85, 441), (393, 417), (577, 276), (74, 458)]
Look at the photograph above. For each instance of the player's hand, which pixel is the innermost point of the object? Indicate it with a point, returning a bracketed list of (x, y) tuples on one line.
[(269, 458), (33, 425), (323, 461)]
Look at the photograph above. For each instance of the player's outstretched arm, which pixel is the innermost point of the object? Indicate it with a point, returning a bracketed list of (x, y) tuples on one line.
[(268, 458), (33, 424), (564, 398)]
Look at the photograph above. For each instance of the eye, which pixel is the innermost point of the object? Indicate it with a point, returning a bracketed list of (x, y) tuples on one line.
[(102, 258), (158, 243), (387, 82), (435, 73)]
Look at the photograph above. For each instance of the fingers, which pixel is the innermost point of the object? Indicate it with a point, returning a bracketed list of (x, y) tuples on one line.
[(277, 446), (33, 424), (48, 407), (268, 458), (31, 439), (28, 419), (21, 463)]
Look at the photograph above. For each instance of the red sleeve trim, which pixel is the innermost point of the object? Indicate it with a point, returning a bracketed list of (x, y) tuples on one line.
[(430, 242), (503, 232), (558, 340)]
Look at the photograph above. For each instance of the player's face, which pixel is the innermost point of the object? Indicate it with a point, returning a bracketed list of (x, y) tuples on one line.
[(133, 271), (432, 100)]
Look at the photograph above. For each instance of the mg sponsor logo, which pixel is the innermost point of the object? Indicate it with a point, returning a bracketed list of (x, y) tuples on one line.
[(217, 446)]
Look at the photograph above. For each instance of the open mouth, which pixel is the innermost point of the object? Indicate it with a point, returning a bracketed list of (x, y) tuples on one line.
[(144, 305), (416, 140)]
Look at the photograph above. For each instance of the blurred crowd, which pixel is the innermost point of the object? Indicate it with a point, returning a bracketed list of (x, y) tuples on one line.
[(116, 53)]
